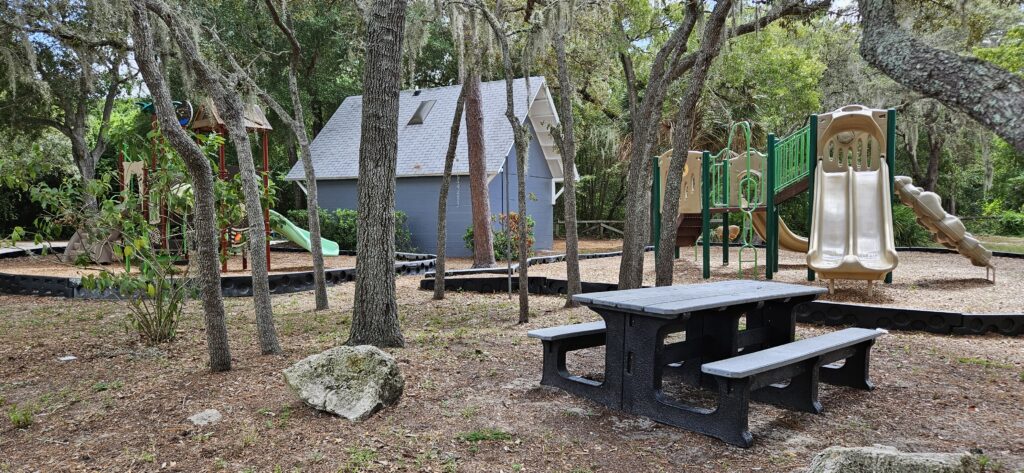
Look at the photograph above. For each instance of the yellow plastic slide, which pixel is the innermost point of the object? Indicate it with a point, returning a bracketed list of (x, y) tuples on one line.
[(946, 229), (787, 239), (851, 234)]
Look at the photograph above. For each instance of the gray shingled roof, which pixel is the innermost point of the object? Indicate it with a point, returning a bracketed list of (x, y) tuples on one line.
[(421, 148)]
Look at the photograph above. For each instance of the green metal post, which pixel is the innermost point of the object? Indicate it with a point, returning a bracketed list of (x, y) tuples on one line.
[(725, 216), (771, 244), (705, 210), (812, 163), (655, 206), (725, 239), (890, 158)]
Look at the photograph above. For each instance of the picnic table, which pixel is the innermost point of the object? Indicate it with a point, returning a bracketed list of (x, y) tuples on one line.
[(739, 341)]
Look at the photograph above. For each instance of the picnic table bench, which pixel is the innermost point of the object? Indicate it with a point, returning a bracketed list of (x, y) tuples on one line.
[(739, 363)]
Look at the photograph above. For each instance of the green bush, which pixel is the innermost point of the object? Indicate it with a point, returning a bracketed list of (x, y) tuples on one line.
[(1006, 223), (906, 230), (340, 227), (506, 244)]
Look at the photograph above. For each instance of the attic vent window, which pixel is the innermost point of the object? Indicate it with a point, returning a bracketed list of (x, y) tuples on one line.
[(421, 112)]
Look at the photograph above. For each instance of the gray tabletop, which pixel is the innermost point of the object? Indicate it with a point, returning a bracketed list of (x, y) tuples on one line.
[(674, 300)]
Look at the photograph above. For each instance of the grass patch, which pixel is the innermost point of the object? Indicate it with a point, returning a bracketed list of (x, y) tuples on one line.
[(485, 435), (101, 386), (21, 417), (967, 360), (359, 459)]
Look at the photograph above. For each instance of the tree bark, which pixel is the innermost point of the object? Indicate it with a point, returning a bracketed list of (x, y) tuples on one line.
[(483, 239), (198, 167), (297, 123), (231, 109), (992, 96), (710, 46), (646, 115), (520, 135), (567, 143), (375, 318), (442, 201)]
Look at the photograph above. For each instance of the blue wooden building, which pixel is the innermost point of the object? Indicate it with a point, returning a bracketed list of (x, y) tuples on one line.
[(424, 128)]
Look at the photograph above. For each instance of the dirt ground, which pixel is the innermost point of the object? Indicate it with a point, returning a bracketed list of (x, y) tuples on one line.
[(472, 400), (280, 262)]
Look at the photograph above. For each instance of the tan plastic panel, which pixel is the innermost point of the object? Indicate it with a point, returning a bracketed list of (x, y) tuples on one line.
[(689, 194), (851, 231), (947, 229), (852, 136)]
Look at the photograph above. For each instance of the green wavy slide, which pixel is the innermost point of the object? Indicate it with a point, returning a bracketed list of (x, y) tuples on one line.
[(299, 235)]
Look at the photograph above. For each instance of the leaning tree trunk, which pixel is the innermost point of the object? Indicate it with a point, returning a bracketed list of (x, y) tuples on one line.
[(198, 167), (520, 135), (231, 110), (568, 148), (442, 200), (992, 96), (710, 45), (297, 123), (375, 317)]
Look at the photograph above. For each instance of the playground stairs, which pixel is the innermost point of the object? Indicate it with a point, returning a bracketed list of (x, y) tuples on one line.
[(689, 229)]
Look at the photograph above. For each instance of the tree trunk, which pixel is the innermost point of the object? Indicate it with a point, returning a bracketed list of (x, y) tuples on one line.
[(568, 148), (992, 96), (483, 239), (231, 110), (936, 142), (375, 318), (646, 117), (986, 159), (520, 137), (442, 201), (198, 167), (710, 45), (297, 123)]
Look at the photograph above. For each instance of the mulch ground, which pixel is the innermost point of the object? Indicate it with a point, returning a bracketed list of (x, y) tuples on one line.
[(472, 400)]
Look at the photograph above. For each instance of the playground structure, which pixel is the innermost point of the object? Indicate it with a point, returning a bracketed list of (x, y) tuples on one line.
[(843, 160), (136, 176)]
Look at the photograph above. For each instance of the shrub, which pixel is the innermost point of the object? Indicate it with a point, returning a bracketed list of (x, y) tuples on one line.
[(1007, 223), (906, 230), (506, 243), (340, 227)]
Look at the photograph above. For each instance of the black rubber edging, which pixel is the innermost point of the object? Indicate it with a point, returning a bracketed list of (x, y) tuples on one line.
[(817, 312), (895, 318), (231, 286)]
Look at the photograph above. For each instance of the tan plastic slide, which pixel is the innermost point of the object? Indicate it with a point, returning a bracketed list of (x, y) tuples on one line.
[(851, 223), (787, 239), (851, 233), (947, 229)]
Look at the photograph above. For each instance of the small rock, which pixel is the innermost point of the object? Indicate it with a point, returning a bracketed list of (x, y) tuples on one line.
[(207, 417), (883, 459), (352, 382)]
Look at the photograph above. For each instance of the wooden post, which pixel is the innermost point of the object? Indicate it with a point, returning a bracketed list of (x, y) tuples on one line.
[(266, 193), (223, 173)]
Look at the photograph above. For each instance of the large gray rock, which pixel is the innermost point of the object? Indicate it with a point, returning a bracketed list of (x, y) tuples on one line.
[(352, 382), (882, 459)]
